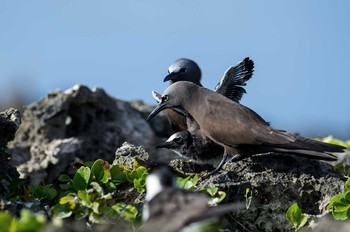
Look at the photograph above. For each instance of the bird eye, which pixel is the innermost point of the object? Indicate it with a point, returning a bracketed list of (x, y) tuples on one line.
[(183, 70), (178, 139), (165, 98)]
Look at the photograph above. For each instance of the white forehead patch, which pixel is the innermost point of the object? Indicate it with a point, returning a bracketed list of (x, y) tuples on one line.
[(172, 137)]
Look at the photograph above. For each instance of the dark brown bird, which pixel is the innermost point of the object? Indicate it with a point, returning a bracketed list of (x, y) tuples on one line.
[(230, 85), (168, 208), (238, 129)]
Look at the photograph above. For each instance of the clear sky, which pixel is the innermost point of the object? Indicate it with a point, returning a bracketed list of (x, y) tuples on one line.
[(301, 51)]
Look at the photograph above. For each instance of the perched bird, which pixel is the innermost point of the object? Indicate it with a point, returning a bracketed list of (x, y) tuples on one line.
[(238, 129), (168, 208), (230, 85)]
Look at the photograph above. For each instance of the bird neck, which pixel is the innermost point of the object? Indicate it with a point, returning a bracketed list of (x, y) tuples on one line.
[(153, 186)]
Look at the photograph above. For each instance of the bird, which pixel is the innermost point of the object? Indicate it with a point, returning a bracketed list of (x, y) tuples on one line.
[(239, 130), (231, 84), (168, 208), (191, 146)]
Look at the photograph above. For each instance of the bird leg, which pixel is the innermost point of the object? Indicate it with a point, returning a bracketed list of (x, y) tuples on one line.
[(224, 156), (236, 157)]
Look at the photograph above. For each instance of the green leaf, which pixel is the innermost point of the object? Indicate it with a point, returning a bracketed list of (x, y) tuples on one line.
[(188, 183), (136, 164), (347, 186), (117, 174), (30, 221), (248, 197), (64, 178), (97, 187), (212, 191), (70, 200), (100, 169), (129, 212), (84, 197), (140, 184), (334, 200), (96, 218), (296, 217), (43, 192), (61, 211), (219, 197), (81, 178), (6, 221)]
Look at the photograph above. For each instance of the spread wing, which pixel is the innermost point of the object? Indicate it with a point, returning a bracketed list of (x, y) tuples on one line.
[(233, 80), (157, 96)]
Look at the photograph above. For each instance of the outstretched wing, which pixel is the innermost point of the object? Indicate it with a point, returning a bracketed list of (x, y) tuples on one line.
[(157, 96), (235, 77)]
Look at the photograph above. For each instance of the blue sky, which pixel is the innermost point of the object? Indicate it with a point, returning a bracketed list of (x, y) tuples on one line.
[(300, 48)]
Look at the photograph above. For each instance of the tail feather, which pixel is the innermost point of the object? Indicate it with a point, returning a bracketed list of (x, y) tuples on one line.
[(310, 148), (311, 145), (300, 146), (309, 154)]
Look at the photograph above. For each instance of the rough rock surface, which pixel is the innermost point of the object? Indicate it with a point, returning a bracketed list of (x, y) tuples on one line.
[(9, 122), (79, 125), (277, 181)]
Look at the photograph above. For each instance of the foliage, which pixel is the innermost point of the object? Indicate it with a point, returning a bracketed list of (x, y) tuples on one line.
[(296, 217), (216, 195), (28, 221), (91, 193), (190, 183), (343, 169), (340, 203), (331, 139)]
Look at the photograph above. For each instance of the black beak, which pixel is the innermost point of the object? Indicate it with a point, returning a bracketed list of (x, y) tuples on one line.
[(171, 76), (165, 145), (156, 110)]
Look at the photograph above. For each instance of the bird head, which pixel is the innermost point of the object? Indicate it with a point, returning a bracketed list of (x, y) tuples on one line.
[(176, 141), (184, 70), (173, 98)]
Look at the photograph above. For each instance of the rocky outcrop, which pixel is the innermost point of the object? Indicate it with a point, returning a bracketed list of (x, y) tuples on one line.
[(275, 182), (9, 122), (80, 125)]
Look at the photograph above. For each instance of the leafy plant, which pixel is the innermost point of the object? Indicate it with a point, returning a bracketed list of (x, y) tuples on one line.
[(91, 194), (27, 221), (296, 217), (340, 203), (188, 183)]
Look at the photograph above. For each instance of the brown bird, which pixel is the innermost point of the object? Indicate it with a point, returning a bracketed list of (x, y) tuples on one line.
[(230, 85), (238, 129)]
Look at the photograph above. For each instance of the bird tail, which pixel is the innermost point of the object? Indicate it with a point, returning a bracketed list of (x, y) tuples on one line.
[(310, 148)]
